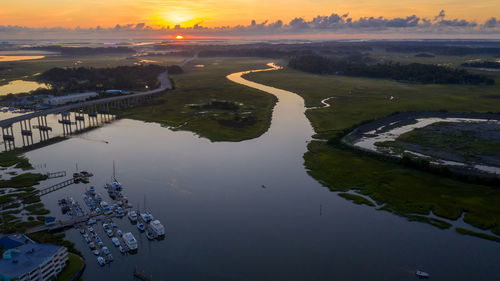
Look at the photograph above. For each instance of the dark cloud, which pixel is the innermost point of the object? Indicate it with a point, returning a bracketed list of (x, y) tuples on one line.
[(334, 23), (491, 23)]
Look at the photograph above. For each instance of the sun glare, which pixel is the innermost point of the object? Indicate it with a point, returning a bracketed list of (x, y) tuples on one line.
[(179, 37)]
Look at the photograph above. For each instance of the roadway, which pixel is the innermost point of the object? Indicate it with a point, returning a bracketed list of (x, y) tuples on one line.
[(165, 84)]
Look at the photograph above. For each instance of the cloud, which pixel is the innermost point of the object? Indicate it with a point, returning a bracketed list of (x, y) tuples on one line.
[(331, 24)]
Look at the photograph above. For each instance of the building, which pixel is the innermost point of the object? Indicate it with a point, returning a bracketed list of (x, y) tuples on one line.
[(55, 101), (23, 259)]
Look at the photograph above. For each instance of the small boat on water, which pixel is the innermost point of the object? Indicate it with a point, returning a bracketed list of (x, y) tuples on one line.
[(91, 245), (140, 226), (422, 274), (130, 241), (157, 227), (115, 241), (149, 235), (122, 250), (101, 261), (105, 250), (119, 232), (110, 258), (132, 216), (109, 232), (96, 252)]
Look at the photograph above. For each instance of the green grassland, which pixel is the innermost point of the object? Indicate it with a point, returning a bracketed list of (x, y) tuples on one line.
[(401, 190), (200, 85), (454, 140), (74, 264)]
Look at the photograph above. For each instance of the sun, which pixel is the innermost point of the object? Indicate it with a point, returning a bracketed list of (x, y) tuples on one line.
[(179, 37)]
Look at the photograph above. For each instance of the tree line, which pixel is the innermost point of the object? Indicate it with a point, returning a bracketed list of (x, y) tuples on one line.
[(137, 77), (414, 72)]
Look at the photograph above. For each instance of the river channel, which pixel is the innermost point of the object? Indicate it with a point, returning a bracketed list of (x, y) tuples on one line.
[(249, 210)]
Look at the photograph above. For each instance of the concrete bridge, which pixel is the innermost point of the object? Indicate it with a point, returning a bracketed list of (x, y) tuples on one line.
[(92, 108)]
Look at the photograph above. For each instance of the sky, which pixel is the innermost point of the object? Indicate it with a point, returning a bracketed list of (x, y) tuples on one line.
[(213, 13)]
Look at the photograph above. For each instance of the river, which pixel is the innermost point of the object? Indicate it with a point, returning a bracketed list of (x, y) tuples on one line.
[(249, 210)]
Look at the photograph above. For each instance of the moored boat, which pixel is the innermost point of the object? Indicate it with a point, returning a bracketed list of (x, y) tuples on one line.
[(157, 227), (130, 241), (422, 274), (140, 226), (132, 216)]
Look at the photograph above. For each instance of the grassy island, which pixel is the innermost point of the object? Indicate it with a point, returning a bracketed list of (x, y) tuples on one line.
[(207, 103)]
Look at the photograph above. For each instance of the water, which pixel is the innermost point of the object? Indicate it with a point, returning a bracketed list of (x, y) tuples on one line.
[(223, 225), (4, 58), (372, 137), (21, 86)]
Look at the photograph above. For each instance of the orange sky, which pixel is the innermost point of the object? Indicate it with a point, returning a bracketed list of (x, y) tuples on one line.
[(107, 13)]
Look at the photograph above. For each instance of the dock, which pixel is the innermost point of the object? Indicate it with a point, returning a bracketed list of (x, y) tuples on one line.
[(146, 225)]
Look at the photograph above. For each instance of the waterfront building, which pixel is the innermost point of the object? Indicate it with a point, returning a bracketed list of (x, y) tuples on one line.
[(23, 259), (55, 101)]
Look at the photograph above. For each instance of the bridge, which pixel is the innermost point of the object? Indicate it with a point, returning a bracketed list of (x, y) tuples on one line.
[(92, 107)]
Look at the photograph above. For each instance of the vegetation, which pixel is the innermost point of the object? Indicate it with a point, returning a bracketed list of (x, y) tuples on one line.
[(482, 64), (413, 72), (74, 265), (56, 239), (206, 102), (23, 180), (66, 80), (404, 190), (477, 234), (456, 141), (12, 158)]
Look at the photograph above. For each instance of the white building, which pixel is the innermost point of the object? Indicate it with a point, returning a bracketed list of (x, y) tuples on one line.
[(55, 101), (27, 260)]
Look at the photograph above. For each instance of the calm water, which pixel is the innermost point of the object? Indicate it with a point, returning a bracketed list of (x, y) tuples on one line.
[(21, 86), (222, 225)]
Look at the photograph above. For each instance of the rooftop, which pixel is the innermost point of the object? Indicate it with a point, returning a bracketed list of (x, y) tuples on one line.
[(26, 258)]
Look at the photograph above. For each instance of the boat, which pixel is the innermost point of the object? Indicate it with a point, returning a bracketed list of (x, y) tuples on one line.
[(91, 245), (130, 241), (109, 232), (101, 261), (157, 227), (115, 241), (149, 235), (132, 216), (109, 257), (105, 226), (422, 274), (91, 222), (145, 217), (119, 232), (105, 250), (96, 252), (92, 190), (91, 229), (122, 250), (140, 226), (104, 206)]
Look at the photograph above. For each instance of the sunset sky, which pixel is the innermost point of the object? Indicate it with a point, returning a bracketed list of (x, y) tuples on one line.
[(210, 13)]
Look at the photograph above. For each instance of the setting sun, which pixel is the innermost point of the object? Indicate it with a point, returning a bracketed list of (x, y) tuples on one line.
[(179, 37)]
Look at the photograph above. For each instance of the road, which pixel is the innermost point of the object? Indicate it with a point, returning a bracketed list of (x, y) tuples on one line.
[(165, 84)]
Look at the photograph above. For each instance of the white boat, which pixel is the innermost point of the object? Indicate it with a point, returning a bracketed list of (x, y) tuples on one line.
[(132, 216), (157, 227), (105, 250), (115, 241), (122, 250), (96, 252), (130, 241), (140, 226), (144, 217), (101, 261), (149, 235), (422, 274), (109, 232)]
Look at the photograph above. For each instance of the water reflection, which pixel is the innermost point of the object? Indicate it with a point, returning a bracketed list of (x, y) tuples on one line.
[(19, 58), (222, 225), (21, 86)]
